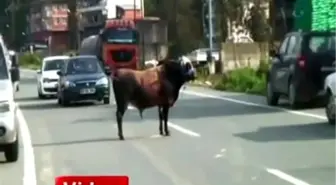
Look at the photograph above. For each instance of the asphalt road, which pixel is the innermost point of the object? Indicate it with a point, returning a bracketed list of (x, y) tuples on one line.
[(217, 139)]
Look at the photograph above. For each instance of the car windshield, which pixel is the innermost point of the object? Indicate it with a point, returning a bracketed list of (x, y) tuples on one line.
[(83, 66), (54, 65), (121, 36), (3, 66), (318, 44)]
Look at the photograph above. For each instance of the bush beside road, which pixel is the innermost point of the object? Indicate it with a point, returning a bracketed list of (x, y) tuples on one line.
[(30, 61), (246, 80)]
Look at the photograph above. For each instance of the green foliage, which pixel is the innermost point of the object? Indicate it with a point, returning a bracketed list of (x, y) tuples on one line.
[(185, 21), (31, 61), (246, 80)]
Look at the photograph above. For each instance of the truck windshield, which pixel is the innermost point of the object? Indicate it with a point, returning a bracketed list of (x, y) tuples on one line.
[(121, 36)]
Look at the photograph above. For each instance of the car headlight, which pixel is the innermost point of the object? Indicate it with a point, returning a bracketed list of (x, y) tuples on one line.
[(68, 84), (102, 81), (4, 107)]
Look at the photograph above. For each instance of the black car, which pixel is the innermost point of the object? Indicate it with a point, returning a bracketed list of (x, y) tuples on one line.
[(83, 78), (299, 68)]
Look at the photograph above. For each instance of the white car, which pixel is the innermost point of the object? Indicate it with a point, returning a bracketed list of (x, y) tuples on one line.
[(330, 89), (47, 77), (9, 129)]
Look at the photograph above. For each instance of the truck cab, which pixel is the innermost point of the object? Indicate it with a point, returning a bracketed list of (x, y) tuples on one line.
[(120, 41)]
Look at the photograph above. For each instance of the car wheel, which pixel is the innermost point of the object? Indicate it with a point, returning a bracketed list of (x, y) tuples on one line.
[(12, 151), (59, 101), (107, 100), (40, 95), (330, 109), (271, 96), (65, 102), (292, 97)]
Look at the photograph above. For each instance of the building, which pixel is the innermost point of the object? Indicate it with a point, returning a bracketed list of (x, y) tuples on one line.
[(95, 12), (49, 23)]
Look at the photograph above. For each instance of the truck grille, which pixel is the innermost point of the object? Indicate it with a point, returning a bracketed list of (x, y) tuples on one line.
[(122, 55)]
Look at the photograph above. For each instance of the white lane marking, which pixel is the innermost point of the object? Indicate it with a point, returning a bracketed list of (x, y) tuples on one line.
[(300, 113), (221, 154), (176, 127), (183, 130), (286, 177), (155, 136), (29, 170)]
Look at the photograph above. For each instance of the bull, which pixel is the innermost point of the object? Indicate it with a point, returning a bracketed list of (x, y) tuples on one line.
[(157, 86)]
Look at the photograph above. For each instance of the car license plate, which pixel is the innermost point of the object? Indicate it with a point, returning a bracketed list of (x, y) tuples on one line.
[(88, 91)]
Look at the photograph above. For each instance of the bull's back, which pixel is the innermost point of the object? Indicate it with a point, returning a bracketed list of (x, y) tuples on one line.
[(144, 87)]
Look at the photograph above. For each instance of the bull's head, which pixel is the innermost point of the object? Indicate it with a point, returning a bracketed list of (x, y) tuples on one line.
[(179, 71)]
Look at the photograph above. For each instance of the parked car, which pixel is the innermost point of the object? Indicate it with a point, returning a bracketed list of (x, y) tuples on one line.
[(9, 129), (199, 56), (299, 68), (47, 76), (83, 78), (330, 90)]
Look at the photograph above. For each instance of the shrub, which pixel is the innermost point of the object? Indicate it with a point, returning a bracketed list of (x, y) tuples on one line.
[(247, 80), (30, 60)]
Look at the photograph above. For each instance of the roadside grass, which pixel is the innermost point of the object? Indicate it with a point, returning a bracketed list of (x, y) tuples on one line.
[(245, 80)]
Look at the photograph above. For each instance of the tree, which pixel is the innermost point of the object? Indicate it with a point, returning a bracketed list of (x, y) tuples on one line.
[(257, 24)]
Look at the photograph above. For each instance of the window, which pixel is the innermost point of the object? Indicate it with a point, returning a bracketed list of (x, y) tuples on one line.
[(321, 43), (121, 36), (63, 20), (283, 46), (3, 65), (54, 65), (94, 18), (84, 66), (57, 21), (292, 43)]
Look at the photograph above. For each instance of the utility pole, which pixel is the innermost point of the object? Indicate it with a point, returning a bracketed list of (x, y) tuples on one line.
[(210, 26), (210, 29), (13, 9), (74, 36)]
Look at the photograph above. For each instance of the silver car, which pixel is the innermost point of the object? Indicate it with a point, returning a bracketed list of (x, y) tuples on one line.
[(330, 89)]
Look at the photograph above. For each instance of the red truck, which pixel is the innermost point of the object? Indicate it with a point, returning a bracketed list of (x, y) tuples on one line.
[(127, 43)]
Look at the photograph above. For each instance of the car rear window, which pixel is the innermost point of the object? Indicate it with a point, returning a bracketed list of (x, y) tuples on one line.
[(321, 43), (54, 65)]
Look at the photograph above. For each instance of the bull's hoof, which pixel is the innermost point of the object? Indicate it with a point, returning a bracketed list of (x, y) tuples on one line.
[(161, 133), (121, 138), (167, 133)]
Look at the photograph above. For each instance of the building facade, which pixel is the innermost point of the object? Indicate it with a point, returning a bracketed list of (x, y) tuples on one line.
[(49, 23)]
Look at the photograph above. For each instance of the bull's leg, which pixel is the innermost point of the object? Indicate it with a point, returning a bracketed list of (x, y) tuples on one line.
[(121, 99), (160, 120), (119, 114), (165, 112)]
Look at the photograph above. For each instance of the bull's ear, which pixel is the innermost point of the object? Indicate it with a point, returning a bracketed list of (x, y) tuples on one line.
[(188, 65)]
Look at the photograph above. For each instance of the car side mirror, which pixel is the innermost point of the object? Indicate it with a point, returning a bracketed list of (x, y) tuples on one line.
[(59, 73), (107, 70), (38, 71), (274, 54)]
